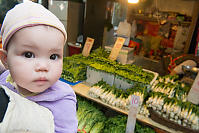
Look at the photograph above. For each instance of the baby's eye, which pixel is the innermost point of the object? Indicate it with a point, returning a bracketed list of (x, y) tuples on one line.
[(54, 56), (28, 55)]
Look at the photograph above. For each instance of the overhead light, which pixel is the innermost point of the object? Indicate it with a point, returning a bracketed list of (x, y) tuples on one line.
[(133, 1)]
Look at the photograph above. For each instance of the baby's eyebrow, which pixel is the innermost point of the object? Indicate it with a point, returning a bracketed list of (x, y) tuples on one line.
[(55, 50), (27, 46)]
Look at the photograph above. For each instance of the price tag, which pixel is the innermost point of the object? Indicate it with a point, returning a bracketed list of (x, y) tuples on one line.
[(134, 104), (87, 47), (193, 95), (116, 48)]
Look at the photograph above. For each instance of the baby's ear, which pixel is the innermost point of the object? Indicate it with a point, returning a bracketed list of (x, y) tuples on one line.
[(3, 57)]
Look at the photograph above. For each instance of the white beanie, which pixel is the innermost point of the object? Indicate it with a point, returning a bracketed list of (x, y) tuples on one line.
[(25, 15)]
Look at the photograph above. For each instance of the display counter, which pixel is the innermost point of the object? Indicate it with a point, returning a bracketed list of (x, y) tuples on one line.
[(82, 89)]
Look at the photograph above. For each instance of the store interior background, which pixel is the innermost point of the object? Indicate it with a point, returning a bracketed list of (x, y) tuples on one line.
[(91, 18)]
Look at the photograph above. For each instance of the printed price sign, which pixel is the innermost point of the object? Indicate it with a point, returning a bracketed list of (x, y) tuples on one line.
[(134, 104), (193, 95), (87, 47), (116, 48)]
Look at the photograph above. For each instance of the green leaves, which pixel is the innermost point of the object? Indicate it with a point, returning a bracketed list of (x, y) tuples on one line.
[(93, 120), (74, 67), (115, 124)]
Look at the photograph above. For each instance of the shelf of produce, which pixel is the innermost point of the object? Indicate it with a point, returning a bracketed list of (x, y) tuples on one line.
[(82, 89), (153, 19)]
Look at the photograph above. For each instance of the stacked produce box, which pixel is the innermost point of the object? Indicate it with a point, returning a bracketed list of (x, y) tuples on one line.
[(75, 67)]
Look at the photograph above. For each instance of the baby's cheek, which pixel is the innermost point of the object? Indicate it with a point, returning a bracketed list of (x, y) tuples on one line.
[(57, 73)]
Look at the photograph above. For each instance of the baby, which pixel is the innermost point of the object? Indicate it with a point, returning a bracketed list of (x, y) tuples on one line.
[(33, 42)]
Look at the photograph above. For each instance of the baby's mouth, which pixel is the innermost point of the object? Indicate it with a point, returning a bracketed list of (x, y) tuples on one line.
[(41, 80)]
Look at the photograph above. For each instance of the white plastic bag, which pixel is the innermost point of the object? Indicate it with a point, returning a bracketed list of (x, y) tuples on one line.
[(124, 29), (25, 116), (133, 29)]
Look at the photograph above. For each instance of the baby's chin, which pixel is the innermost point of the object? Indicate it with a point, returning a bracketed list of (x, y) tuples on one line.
[(32, 91), (38, 91)]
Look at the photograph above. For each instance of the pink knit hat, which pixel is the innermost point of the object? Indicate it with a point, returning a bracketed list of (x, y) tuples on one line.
[(28, 14)]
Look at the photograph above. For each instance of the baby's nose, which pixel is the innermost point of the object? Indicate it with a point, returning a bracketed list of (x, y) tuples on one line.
[(42, 66)]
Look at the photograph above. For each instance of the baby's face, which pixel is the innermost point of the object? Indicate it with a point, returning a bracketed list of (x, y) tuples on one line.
[(35, 56)]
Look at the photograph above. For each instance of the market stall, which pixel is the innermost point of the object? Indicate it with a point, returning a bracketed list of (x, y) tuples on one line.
[(111, 84)]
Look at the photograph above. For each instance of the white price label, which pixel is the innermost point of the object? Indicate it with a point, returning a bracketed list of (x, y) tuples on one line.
[(87, 46), (193, 95), (135, 100), (116, 48), (134, 104)]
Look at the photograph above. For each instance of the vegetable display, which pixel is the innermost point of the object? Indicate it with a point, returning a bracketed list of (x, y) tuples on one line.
[(118, 97), (92, 120), (127, 72), (75, 67), (169, 99), (114, 84)]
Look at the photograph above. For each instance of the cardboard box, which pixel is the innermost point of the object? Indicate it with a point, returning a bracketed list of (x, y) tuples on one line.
[(125, 54), (94, 76)]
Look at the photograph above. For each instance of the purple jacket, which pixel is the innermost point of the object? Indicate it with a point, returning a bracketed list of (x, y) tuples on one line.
[(60, 99)]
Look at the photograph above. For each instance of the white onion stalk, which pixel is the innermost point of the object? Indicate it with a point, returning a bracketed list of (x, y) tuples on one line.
[(99, 91), (195, 120), (102, 97), (112, 100), (172, 81), (171, 92), (128, 100), (123, 103), (195, 127), (182, 85), (184, 124), (184, 113), (184, 98), (160, 79), (172, 115), (185, 121), (154, 84), (177, 110), (107, 97), (189, 114), (165, 108), (157, 104), (92, 92), (120, 102), (117, 102), (150, 100), (176, 117), (168, 108), (167, 80), (179, 122), (192, 117), (164, 115), (155, 88)]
